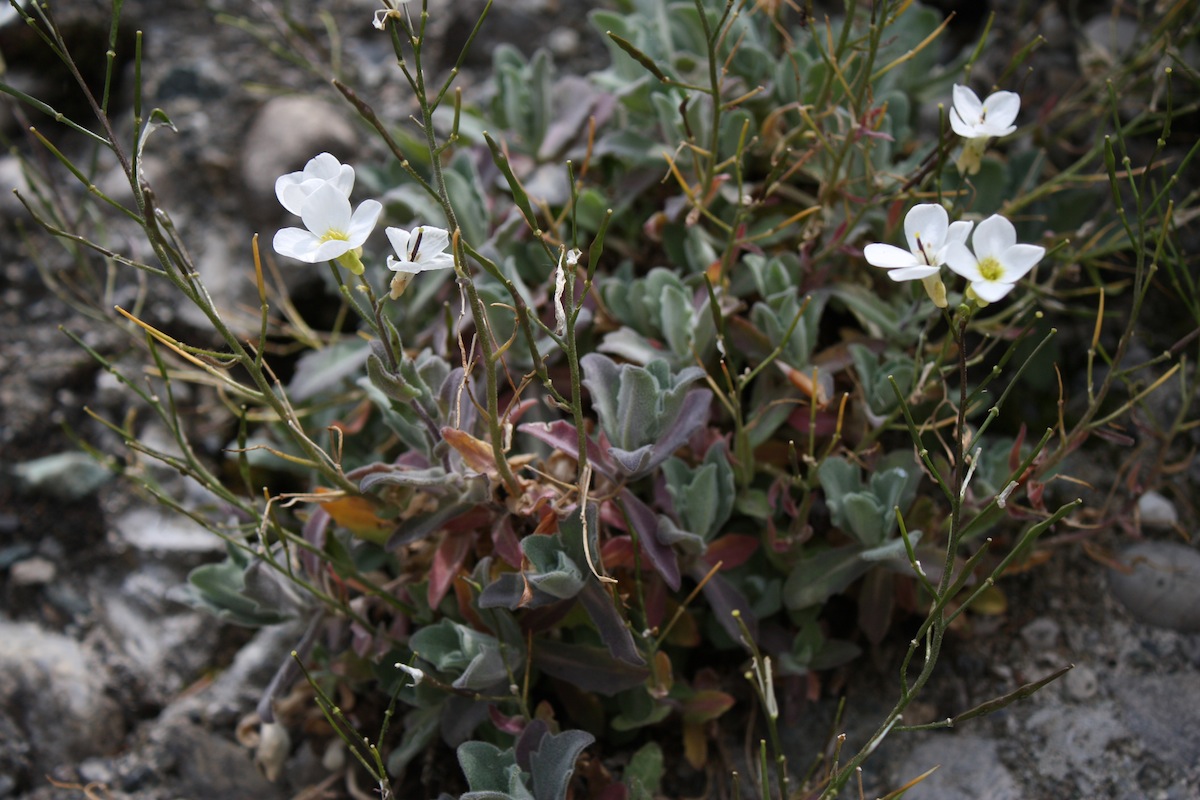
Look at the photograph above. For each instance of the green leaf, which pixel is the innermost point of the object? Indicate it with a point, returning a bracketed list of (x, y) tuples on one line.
[(864, 518), (643, 776), (491, 773), (466, 196), (456, 649), (388, 382), (325, 370), (814, 580), (676, 309), (638, 710), (554, 761), (420, 729), (839, 478), (221, 588)]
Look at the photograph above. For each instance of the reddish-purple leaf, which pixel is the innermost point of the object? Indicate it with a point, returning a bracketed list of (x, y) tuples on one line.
[(645, 523), (589, 668), (732, 550), (446, 563), (705, 705)]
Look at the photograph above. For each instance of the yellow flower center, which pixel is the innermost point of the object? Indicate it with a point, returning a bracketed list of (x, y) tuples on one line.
[(334, 234), (991, 269)]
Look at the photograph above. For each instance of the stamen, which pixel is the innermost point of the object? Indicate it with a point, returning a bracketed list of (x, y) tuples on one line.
[(412, 253)]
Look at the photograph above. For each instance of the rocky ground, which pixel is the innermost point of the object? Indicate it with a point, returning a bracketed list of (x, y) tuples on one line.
[(107, 679)]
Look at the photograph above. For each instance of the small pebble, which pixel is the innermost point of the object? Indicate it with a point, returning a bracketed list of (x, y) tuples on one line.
[(1156, 511), (1160, 584), (1081, 683), (1041, 634), (32, 572), (97, 770)]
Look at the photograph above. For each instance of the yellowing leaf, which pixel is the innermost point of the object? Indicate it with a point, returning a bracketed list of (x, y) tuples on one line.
[(804, 381), (357, 515), (695, 744), (475, 452), (992, 602), (661, 676)]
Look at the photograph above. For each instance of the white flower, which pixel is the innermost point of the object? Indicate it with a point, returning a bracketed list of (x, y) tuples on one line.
[(293, 188), (423, 248), (998, 261), (972, 119), (412, 672), (382, 14), (333, 233), (928, 230)]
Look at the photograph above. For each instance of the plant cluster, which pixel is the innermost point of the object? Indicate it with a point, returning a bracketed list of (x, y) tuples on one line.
[(624, 403)]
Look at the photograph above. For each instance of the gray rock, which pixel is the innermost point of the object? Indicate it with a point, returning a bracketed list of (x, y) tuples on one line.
[(155, 530), (1160, 585), (970, 767), (14, 754), (240, 686), (54, 692), (1160, 710), (165, 646), (202, 764), (285, 134), (1075, 743)]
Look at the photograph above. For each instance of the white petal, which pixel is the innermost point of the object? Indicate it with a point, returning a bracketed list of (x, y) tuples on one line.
[(960, 126), (331, 249), (889, 256), (929, 222), (957, 234), (399, 239), (296, 243), (344, 180), (326, 209), (991, 291), (1019, 259), (433, 240), (967, 104), (1000, 109), (323, 166), (993, 236), (912, 273), (437, 261), (327, 169), (293, 195), (363, 221), (961, 261), (285, 186), (990, 128), (402, 265), (958, 231)]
